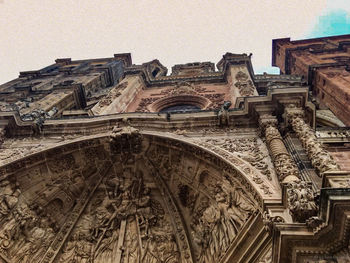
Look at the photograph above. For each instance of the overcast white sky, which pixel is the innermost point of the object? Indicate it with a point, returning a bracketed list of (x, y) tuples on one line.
[(34, 33)]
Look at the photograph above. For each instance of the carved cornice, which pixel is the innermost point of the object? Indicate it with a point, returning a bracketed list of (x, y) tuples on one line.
[(242, 115), (294, 243)]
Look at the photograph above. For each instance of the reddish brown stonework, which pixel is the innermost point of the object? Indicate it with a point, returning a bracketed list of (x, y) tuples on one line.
[(103, 161), (324, 63)]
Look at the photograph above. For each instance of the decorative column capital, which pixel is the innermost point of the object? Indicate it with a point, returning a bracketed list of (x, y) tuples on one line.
[(291, 112), (272, 133), (267, 120)]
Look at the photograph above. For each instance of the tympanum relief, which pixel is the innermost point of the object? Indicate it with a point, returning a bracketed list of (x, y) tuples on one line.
[(158, 204), (26, 231), (214, 205), (124, 222)]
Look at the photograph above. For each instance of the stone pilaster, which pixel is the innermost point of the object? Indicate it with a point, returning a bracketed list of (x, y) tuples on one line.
[(320, 159), (286, 168)]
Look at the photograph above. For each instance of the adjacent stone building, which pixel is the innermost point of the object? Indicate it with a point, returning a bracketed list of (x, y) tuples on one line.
[(102, 160)]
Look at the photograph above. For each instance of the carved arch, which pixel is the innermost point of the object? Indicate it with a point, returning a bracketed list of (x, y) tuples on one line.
[(101, 179)]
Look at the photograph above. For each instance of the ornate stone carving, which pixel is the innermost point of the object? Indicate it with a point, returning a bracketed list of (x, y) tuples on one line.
[(24, 230), (2, 136), (183, 88), (286, 168), (251, 150), (113, 94), (38, 116), (269, 220), (301, 202), (125, 221), (223, 115), (319, 157), (125, 138), (198, 94), (215, 226), (315, 223), (216, 208), (65, 163), (236, 161), (142, 107), (244, 84)]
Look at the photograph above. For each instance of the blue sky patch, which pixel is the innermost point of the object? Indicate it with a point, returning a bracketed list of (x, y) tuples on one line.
[(336, 22)]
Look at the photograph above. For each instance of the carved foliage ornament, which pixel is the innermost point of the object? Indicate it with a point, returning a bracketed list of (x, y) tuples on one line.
[(319, 157), (198, 94), (286, 168), (244, 84), (112, 95), (301, 202)]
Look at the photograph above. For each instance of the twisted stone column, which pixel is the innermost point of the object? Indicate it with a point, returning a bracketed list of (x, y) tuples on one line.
[(300, 198), (319, 157)]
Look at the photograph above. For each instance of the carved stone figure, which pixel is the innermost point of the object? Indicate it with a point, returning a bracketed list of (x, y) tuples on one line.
[(216, 225), (301, 201), (126, 139), (223, 116), (8, 199)]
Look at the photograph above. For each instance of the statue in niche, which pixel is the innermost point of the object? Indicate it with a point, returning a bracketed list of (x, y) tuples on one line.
[(223, 114)]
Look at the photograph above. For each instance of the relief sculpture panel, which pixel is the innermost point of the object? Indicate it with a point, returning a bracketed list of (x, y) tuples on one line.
[(125, 221), (213, 205), (25, 231), (158, 204)]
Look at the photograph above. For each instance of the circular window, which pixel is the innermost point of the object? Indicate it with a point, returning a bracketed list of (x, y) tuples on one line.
[(181, 103), (181, 108)]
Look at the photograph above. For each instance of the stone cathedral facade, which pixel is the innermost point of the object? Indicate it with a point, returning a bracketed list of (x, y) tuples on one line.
[(102, 160)]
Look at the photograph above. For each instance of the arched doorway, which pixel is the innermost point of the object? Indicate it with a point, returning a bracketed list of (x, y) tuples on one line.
[(134, 198)]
